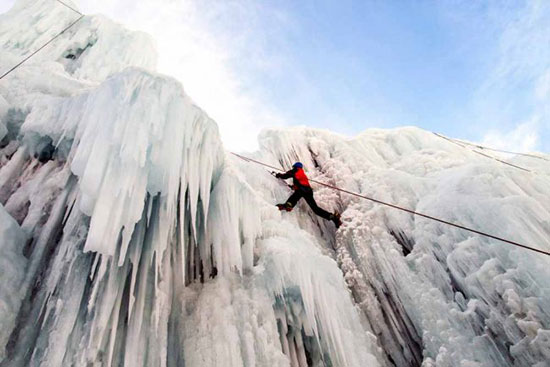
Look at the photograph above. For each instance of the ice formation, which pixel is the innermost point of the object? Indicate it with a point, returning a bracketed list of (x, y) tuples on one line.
[(129, 236)]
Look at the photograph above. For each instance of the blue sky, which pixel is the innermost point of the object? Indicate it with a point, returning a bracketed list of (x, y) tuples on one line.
[(445, 66), (478, 70)]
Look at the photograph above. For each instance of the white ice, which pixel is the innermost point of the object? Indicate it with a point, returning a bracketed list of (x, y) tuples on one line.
[(133, 238), (12, 266)]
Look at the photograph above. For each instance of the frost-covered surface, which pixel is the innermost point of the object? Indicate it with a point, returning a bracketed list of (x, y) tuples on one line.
[(132, 238), (12, 266), (92, 49), (146, 247), (433, 294)]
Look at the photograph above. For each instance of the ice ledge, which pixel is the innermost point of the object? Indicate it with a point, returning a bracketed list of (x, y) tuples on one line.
[(133, 135)]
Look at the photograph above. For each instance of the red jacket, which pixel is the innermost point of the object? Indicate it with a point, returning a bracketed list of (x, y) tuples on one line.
[(299, 178)]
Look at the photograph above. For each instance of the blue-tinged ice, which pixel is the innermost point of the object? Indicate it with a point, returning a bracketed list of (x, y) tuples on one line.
[(130, 237)]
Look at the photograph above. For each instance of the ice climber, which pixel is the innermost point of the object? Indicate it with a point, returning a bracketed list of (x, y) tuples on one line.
[(302, 189)]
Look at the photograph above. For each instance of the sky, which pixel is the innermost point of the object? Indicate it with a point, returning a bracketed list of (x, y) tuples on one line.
[(476, 70)]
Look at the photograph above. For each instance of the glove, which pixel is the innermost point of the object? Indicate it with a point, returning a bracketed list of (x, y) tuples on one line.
[(278, 175)]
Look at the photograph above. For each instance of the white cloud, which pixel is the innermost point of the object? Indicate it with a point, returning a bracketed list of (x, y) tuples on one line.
[(523, 138), (212, 47), (521, 77)]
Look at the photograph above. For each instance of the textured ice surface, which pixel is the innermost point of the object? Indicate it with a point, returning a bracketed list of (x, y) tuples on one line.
[(12, 273), (92, 49), (433, 294), (129, 237), (131, 207)]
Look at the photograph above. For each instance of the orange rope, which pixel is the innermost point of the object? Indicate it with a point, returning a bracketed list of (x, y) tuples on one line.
[(406, 210)]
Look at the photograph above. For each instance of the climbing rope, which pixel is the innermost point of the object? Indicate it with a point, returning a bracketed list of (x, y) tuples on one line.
[(47, 43), (404, 209), (318, 182), (461, 144), (70, 7), (500, 150)]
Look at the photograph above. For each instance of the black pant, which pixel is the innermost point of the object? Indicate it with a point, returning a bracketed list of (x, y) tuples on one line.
[(307, 194)]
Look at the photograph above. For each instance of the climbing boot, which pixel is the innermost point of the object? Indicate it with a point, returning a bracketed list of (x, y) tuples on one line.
[(285, 206), (336, 219)]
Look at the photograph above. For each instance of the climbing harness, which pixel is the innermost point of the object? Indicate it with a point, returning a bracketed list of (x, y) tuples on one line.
[(405, 209)]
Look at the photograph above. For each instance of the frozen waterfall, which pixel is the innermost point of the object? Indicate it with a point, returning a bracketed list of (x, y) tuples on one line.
[(130, 237)]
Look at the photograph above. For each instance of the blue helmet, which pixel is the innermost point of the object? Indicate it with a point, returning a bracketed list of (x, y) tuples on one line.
[(298, 165)]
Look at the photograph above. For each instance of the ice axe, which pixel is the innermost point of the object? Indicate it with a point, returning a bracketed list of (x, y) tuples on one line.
[(274, 174)]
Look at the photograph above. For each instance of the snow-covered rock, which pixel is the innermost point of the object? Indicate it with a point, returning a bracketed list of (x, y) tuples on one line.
[(147, 244)]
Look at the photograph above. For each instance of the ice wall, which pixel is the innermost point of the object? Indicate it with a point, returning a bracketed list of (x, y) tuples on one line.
[(131, 204), (92, 49), (12, 263), (143, 244), (433, 295), (134, 239)]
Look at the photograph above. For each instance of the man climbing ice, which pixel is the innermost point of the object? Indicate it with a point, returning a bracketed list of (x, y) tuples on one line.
[(302, 189)]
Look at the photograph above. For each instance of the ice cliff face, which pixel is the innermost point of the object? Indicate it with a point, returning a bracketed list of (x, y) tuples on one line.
[(92, 50), (129, 236), (432, 294)]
